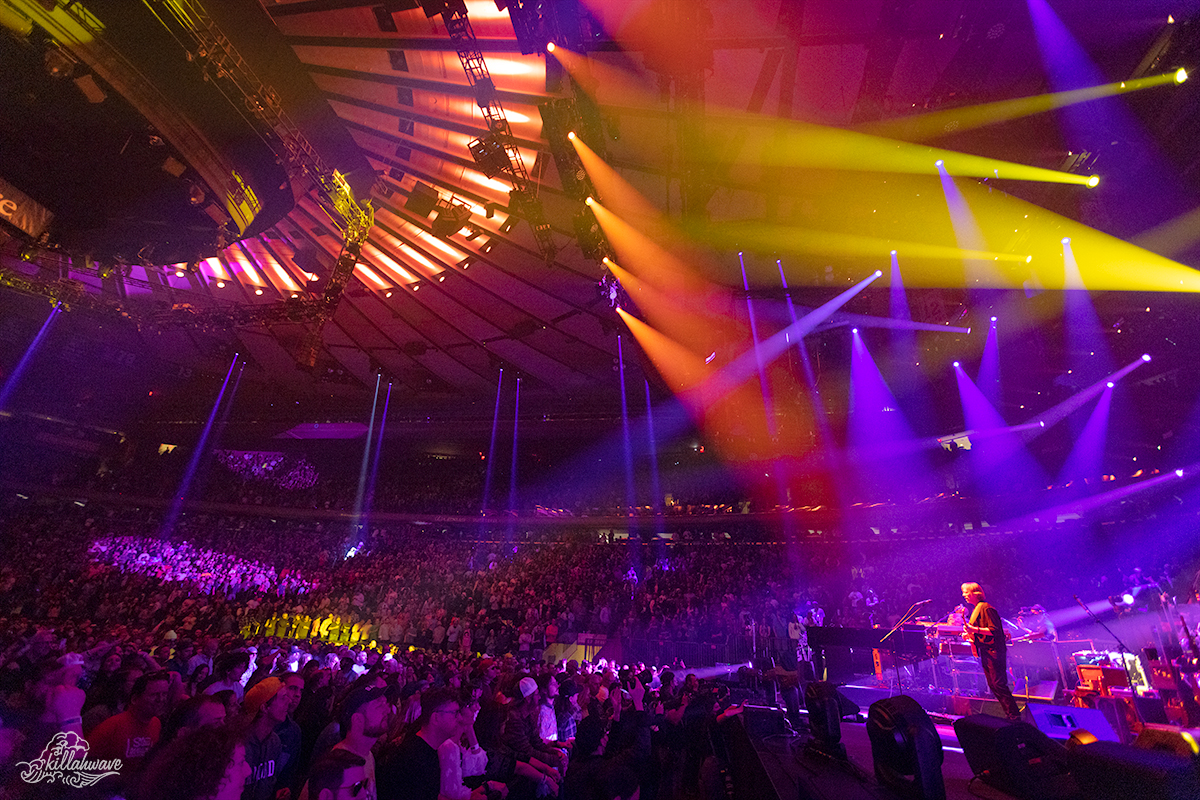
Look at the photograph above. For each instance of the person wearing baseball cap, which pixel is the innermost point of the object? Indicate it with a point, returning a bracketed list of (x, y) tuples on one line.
[(266, 705), (520, 731)]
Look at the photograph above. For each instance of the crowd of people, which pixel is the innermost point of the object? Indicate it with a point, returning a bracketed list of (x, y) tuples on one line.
[(258, 657)]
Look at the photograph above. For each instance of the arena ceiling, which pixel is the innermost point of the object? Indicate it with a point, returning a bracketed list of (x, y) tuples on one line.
[(440, 316)]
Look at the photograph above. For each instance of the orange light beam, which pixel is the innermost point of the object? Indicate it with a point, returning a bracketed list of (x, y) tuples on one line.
[(617, 192), (654, 262), (681, 367), (667, 310)]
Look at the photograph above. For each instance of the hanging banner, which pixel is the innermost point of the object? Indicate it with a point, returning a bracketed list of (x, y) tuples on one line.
[(21, 211)]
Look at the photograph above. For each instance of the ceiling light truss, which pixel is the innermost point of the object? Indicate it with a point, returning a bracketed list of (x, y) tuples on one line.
[(207, 44), (496, 152)]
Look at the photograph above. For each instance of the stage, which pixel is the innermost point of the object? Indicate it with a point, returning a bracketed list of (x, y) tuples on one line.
[(788, 761)]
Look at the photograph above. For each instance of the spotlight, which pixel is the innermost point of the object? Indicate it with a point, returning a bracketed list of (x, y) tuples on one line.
[(1109, 384), (854, 331), (1181, 75), (939, 163), (878, 273), (549, 47), (1028, 259), (571, 135), (1178, 473), (993, 319), (1066, 240), (588, 200), (258, 290), (388, 293), (1093, 181), (1145, 356), (178, 273), (956, 365), (893, 252), (220, 284)]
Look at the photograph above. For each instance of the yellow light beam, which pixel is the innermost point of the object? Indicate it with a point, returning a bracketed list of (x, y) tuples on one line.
[(1175, 236), (772, 143), (794, 239), (938, 123), (798, 144)]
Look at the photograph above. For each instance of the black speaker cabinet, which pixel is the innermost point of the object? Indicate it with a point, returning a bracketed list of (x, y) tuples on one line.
[(1057, 722), (1015, 757), (821, 700), (906, 748), (1114, 771), (1167, 739)]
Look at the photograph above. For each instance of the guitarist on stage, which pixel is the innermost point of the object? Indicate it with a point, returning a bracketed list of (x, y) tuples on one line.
[(985, 631)]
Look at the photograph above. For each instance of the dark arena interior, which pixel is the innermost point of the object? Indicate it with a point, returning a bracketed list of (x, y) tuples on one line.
[(599, 399)]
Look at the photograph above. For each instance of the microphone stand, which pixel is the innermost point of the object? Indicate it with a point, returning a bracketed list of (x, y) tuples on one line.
[(908, 615), (1121, 648)]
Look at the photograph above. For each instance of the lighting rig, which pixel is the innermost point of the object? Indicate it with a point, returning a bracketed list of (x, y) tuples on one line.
[(203, 43), (495, 152)]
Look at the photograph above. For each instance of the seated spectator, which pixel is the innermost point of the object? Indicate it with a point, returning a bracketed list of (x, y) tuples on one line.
[(594, 766), (191, 715), (338, 775), (50, 702), (228, 674), (109, 697), (363, 720), (411, 771), (459, 762), (265, 707), (206, 764), (521, 732), (128, 736)]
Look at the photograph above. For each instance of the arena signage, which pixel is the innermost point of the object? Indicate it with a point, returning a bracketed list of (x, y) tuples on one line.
[(21, 211)]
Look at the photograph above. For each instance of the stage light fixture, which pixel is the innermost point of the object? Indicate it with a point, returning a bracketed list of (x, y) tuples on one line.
[(1093, 181), (854, 331), (993, 319), (1145, 356), (220, 284), (1110, 384), (258, 291), (893, 252), (955, 365), (588, 200), (388, 293), (550, 47), (1066, 240), (178, 273), (1179, 473), (939, 163), (571, 135), (1028, 259), (1181, 75), (878, 273)]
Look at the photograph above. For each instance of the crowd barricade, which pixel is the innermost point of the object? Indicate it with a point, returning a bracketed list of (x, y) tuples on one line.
[(734, 650)]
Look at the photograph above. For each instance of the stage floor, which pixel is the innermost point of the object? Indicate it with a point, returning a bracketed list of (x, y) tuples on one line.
[(795, 771)]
